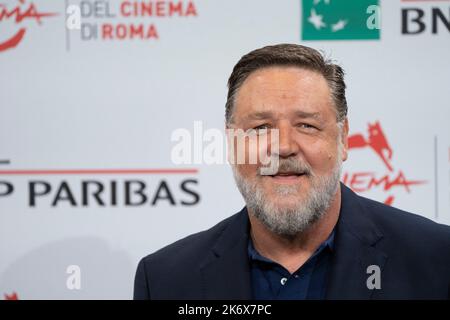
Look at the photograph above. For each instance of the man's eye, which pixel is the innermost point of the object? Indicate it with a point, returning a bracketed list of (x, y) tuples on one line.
[(259, 130), (306, 126), (261, 127)]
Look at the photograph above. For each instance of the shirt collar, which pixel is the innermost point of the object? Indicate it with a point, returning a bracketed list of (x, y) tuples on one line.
[(256, 256)]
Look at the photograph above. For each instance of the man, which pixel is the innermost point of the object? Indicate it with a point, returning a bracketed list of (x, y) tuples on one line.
[(302, 235)]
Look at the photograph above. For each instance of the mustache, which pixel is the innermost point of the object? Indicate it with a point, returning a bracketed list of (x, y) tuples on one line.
[(290, 165)]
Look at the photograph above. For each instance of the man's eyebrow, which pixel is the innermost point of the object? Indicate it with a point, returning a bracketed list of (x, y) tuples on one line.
[(268, 114), (259, 115), (305, 114)]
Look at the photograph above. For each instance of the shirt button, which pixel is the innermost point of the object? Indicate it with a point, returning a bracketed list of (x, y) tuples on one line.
[(283, 281), (296, 276)]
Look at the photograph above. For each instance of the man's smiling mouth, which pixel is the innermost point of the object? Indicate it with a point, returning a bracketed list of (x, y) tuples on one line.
[(287, 176)]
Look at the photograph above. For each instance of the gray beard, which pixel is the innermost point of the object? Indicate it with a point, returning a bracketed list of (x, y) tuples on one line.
[(294, 220)]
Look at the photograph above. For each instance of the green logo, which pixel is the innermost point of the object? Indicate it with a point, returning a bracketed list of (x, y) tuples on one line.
[(340, 19)]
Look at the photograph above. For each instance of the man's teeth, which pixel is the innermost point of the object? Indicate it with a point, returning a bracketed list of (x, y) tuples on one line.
[(288, 174)]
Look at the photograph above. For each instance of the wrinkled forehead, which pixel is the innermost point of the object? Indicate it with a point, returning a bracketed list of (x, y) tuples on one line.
[(284, 91)]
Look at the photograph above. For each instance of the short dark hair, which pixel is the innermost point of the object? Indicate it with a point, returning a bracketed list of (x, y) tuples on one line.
[(288, 55)]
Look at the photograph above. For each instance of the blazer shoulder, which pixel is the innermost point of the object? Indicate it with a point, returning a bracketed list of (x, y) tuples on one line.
[(191, 248), (406, 225), (173, 271)]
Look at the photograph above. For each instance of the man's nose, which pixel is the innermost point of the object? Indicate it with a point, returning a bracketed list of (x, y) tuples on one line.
[(287, 145)]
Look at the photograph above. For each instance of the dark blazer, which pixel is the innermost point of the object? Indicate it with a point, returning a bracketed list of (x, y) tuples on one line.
[(413, 254)]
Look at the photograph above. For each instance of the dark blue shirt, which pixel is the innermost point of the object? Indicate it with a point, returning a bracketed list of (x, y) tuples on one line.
[(271, 281)]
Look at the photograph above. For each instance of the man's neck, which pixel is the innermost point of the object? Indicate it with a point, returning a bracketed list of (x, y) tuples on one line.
[(293, 252)]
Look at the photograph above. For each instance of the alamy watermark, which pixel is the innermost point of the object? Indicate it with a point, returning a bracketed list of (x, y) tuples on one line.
[(233, 145)]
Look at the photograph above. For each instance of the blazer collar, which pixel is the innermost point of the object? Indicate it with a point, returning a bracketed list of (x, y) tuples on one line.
[(226, 271), (355, 243)]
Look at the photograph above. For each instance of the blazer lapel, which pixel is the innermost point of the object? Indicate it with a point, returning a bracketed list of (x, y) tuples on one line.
[(355, 250), (226, 271)]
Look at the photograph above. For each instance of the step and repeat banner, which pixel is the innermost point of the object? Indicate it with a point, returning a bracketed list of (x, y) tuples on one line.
[(94, 95)]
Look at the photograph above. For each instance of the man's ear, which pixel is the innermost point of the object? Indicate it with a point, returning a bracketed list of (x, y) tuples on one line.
[(344, 140)]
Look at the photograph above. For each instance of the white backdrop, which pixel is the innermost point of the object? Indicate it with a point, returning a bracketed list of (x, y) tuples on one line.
[(71, 103)]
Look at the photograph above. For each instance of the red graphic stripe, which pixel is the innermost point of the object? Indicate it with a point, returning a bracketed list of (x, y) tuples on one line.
[(13, 41), (99, 171)]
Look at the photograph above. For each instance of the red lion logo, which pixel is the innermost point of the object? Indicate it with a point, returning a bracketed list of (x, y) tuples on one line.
[(376, 141), (12, 296), (364, 181)]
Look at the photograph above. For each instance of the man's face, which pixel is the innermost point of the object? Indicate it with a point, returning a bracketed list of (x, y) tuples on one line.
[(298, 103)]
